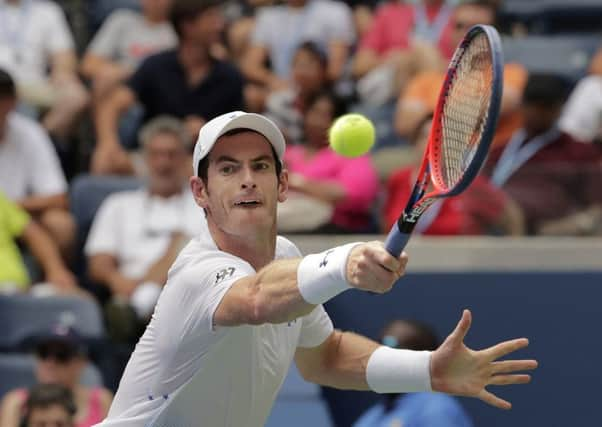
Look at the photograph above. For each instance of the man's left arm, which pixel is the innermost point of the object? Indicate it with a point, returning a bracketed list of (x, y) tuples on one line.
[(37, 204), (349, 361)]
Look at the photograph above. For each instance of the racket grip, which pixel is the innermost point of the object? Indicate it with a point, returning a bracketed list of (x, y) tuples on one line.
[(396, 241)]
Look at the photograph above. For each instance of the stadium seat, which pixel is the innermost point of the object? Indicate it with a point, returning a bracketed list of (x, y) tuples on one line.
[(24, 317), (17, 370), (299, 404), (553, 16), (567, 56)]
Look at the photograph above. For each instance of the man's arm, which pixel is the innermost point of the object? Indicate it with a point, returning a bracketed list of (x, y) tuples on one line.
[(104, 270), (283, 290), (64, 65), (157, 272), (48, 255), (350, 361), (38, 204)]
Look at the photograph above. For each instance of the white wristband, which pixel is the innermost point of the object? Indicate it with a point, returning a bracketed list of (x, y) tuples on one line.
[(392, 370), (323, 276)]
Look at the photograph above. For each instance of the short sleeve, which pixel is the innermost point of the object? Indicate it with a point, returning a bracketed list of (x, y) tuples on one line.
[(341, 20), (61, 38), (14, 218), (107, 38), (373, 39), (103, 236), (423, 91), (316, 327), (205, 284)]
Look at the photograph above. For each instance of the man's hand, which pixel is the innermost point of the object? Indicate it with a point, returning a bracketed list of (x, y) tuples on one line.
[(62, 278), (456, 369), (371, 268)]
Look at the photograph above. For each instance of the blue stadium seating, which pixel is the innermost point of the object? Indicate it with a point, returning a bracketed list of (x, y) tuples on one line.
[(567, 56), (23, 317)]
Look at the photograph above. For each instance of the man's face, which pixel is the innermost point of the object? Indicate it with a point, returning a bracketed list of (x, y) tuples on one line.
[(50, 416), (242, 189), (308, 72), (166, 160), (468, 15), (57, 363), (206, 29), (318, 120)]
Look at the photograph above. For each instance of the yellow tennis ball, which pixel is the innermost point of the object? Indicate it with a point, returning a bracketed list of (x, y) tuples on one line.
[(352, 135)]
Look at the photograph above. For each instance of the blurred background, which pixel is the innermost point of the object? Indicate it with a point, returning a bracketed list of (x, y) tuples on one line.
[(100, 105)]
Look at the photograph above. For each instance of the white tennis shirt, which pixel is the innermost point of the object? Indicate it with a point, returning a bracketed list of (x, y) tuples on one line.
[(186, 373)]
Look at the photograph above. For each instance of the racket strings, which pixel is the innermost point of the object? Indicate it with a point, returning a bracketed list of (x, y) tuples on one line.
[(465, 110)]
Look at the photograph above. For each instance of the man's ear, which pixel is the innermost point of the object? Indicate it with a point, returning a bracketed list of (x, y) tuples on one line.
[(199, 191), (283, 186)]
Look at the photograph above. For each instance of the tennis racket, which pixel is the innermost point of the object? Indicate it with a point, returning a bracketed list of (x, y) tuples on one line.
[(464, 122)]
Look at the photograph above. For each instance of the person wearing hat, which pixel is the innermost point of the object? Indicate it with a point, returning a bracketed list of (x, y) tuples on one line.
[(60, 359), (240, 304)]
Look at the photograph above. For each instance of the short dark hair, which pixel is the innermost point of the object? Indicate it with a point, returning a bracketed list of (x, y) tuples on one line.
[(422, 338), (7, 85), (45, 395), (339, 105), (204, 162), (187, 10), (545, 89), (315, 50)]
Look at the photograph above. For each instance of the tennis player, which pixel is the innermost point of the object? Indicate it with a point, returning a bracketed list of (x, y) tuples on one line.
[(241, 303)]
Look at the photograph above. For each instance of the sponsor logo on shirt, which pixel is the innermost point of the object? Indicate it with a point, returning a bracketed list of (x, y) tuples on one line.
[(224, 274)]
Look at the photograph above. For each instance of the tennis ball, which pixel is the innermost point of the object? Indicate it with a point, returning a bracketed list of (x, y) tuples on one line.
[(352, 135)]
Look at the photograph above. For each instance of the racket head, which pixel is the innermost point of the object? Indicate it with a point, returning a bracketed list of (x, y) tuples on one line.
[(467, 112)]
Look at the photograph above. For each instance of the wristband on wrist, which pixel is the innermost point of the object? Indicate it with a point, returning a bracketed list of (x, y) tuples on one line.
[(323, 276), (399, 371)]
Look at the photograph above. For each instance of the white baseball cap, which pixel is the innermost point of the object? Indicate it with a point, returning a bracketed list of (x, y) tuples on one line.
[(220, 125)]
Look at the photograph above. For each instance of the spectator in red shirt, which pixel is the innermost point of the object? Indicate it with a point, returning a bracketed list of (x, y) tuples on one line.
[(481, 209), (555, 179)]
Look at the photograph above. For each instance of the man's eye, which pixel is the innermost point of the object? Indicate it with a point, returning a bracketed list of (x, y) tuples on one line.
[(262, 166), (226, 170)]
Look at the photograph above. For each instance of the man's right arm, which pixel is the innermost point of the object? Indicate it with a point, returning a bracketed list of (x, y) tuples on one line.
[(104, 269), (287, 289)]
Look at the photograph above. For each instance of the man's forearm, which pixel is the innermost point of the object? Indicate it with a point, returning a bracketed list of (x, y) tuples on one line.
[(38, 204), (108, 112), (43, 248)]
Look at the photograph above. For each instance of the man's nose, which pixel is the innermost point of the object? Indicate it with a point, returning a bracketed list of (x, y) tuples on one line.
[(248, 178)]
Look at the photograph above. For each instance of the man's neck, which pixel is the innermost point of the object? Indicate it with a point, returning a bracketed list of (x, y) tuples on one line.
[(257, 250), (195, 61)]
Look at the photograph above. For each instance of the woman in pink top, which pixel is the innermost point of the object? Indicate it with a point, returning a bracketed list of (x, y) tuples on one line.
[(60, 359), (349, 184)]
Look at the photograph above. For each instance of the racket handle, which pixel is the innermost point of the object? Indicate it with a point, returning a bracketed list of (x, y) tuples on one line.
[(396, 241)]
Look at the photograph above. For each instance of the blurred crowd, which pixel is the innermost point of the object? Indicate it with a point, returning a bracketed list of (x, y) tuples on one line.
[(101, 102)]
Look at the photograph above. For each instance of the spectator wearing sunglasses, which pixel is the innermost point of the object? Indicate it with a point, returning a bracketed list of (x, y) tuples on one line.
[(49, 405), (60, 359)]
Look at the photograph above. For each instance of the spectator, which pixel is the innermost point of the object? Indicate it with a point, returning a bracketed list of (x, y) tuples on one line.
[(186, 82), (481, 209), (49, 405), (35, 38), (415, 409), (136, 235), (551, 176), (17, 225), (124, 40), (403, 40), (287, 107), (419, 98), (30, 171), (279, 30), (60, 359), (349, 186), (582, 115)]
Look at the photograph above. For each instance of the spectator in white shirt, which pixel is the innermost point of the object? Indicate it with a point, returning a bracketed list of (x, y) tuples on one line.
[(124, 40), (35, 38), (136, 235), (30, 171)]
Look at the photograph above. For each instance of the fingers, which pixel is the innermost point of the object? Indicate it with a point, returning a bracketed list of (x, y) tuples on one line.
[(493, 400), (506, 347), (510, 379), (508, 366), (382, 257), (463, 326)]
